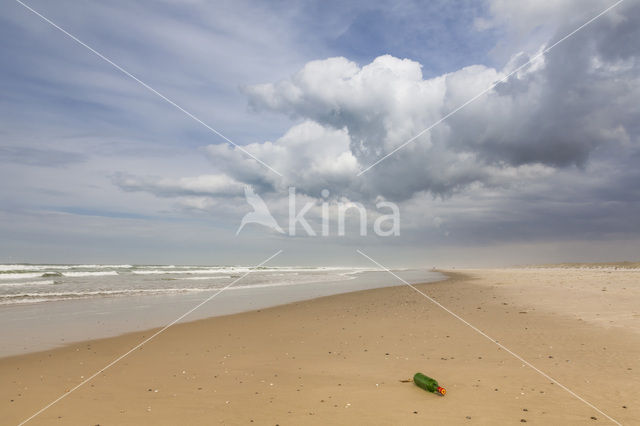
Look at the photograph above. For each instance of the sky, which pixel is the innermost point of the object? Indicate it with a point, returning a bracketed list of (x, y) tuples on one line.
[(540, 167)]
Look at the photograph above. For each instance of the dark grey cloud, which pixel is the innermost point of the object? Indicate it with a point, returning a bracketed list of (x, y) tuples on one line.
[(584, 97)]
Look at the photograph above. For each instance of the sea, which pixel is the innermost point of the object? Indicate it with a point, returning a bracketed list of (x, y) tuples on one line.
[(46, 306), (44, 283)]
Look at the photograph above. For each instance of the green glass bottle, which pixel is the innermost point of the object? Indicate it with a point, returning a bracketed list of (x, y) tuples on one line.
[(428, 384)]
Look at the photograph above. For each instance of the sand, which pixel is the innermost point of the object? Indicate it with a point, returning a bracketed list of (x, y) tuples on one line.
[(341, 360)]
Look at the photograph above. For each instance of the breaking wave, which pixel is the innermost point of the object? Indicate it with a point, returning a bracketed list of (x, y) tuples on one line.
[(26, 283)]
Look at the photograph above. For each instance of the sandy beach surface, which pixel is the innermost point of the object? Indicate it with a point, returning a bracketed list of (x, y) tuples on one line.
[(343, 359)]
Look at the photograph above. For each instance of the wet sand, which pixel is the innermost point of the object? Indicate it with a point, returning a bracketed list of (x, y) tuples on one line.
[(33, 327), (341, 359)]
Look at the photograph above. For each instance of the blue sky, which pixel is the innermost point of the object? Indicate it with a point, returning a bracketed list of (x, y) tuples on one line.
[(73, 127)]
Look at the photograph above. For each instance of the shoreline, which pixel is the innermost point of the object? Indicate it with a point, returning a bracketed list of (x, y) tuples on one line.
[(151, 330), (41, 326), (448, 275), (341, 358)]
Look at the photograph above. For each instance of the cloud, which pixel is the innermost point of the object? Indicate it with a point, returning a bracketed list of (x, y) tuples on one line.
[(523, 17), (551, 153), (199, 186), (312, 157), (547, 125), (377, 106), (556, 113)]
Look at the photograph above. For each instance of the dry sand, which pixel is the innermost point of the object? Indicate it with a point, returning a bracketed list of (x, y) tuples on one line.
[(341, 359)]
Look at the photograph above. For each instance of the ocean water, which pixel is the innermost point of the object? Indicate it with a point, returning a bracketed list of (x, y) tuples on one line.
[(46, 306), (22, 283)]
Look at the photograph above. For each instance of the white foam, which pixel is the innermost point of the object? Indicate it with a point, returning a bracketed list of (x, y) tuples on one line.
[(89, 274), (20, 275), (265, 285), (32, 267), (158, 266), (102, 266), (188, 271), (21, 283), (7, 299), (241, 269), (205, 278), (35, 268), (30, 300), (27, 268)]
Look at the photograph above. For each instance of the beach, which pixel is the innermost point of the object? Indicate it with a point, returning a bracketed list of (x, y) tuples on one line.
[(347, 359), (110, 301), (320, 213)]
